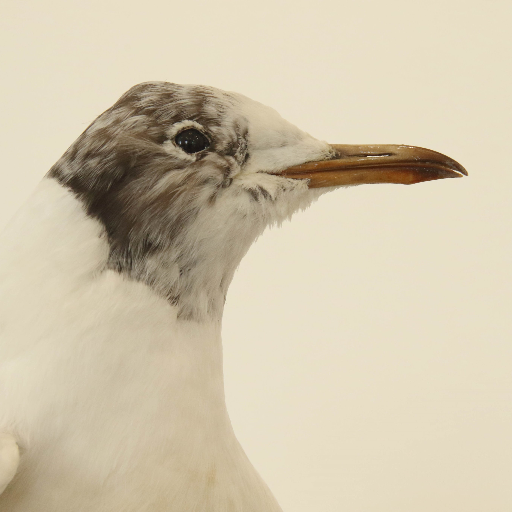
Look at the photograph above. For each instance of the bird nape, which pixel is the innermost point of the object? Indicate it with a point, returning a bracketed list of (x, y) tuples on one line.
[(113, 279)]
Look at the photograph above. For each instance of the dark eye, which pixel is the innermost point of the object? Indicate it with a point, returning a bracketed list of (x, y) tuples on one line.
[(191, 141)]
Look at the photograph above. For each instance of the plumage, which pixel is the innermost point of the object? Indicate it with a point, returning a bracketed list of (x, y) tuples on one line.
[(113, 278)]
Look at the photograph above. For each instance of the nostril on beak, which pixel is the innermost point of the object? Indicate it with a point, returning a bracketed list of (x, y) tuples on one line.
[(374, 155)]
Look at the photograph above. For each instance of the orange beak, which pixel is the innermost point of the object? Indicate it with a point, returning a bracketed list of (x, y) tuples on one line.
[(360, 164)]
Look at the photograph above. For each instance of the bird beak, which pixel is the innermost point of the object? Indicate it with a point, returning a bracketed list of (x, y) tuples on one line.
[(360, 164)]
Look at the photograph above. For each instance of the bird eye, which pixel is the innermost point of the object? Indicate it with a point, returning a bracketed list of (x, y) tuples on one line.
[(191, 141)]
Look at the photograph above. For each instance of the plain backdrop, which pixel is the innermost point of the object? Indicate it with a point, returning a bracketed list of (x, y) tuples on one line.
[(368, 343)]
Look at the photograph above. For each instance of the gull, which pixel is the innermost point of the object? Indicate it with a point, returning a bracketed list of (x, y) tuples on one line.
[(113, 279)]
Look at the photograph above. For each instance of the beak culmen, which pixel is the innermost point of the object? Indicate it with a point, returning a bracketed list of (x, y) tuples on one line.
[(364, 164)]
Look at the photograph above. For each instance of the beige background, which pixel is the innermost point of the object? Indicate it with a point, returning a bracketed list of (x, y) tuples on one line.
[(368, 347)]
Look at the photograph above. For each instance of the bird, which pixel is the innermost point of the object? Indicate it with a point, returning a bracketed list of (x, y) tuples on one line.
[(113, 280)]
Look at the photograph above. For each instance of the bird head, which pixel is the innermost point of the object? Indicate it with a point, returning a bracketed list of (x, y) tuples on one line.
[(183, 178)]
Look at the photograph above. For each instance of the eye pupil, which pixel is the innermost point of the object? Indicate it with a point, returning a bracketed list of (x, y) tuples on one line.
[(191, 141)]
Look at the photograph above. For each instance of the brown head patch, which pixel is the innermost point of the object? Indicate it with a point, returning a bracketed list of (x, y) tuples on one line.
[(146, 196)]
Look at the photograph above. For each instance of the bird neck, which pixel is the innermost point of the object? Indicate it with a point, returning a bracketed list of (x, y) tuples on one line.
[(54, 268), (107, 384)]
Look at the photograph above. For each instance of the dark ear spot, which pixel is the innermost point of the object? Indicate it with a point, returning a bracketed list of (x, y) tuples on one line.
[(242, 154)]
